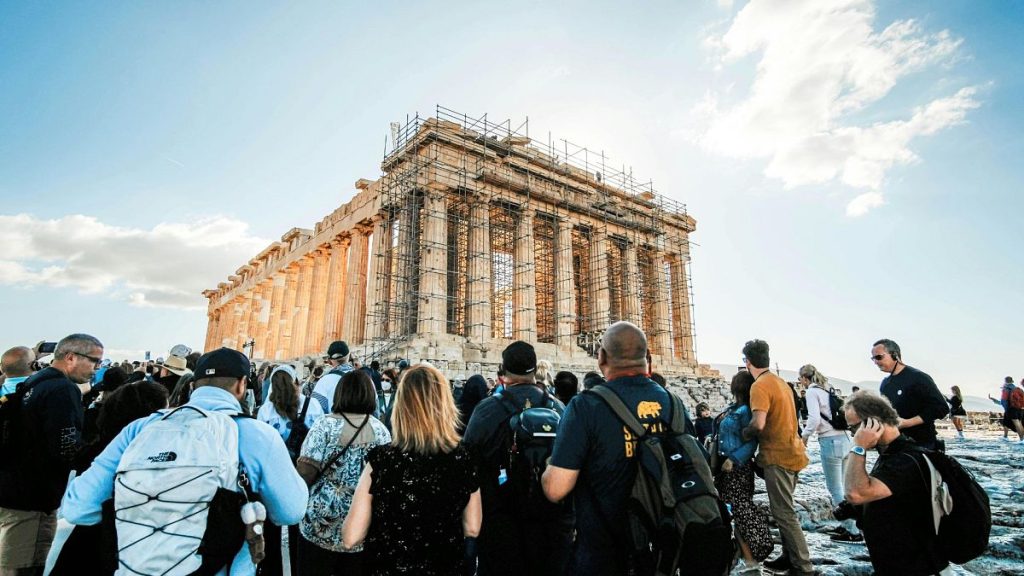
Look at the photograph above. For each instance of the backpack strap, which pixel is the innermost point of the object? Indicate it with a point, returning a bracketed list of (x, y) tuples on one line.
[(305, 406), (336, 457)]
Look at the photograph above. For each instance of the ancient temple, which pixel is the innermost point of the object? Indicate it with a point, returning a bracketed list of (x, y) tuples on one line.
[(474, 236)]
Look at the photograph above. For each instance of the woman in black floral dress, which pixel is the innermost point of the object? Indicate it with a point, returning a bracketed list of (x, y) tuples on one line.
[(418, 499)]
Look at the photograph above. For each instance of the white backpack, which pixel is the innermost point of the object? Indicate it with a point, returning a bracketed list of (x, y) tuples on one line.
[(165, 482)]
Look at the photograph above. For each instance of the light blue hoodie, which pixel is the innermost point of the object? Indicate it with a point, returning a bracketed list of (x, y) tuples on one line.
[(260, 450)]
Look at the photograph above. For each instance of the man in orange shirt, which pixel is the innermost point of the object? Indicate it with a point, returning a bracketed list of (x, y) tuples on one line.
[(781, 454)]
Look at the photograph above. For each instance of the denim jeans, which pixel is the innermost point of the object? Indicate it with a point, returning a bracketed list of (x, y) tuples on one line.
[(834, 450)]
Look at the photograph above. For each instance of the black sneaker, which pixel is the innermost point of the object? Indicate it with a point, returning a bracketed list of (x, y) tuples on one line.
[(846, 537), (779, 565)]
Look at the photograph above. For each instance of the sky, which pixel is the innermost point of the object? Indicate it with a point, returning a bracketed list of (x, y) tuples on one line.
[(854, 167)]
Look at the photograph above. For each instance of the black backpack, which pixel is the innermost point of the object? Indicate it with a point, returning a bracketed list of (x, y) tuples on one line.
[(529, 439), (676, 520), (14, 431), (299, 432), (963, 533), (837, 416)]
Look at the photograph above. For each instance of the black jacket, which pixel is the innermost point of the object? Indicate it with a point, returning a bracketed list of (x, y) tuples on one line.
[(50, 434)]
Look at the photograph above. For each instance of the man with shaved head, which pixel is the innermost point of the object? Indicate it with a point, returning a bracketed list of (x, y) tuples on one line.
[(593, 452), (16, 365), (45, 435)]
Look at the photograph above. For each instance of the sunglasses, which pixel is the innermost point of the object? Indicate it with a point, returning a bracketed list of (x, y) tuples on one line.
[(878, 357), (95, 361), (855, 427)]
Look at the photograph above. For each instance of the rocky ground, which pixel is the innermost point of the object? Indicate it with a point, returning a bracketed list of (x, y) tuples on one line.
[(998, 467)]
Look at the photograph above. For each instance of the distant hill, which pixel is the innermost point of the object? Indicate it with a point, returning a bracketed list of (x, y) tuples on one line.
[(971, 403)]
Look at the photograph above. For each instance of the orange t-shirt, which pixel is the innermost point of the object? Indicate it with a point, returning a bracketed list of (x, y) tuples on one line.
[(779, 444)]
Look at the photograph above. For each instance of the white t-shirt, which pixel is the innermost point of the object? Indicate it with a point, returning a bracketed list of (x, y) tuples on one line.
[(270, 415), (817, 404)]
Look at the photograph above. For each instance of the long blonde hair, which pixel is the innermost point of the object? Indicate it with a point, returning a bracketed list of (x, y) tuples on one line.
[(811, 373), (544, 373), (424, 419)]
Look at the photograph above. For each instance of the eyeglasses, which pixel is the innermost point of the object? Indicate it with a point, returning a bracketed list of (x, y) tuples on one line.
[(878, 357), (95, 361)]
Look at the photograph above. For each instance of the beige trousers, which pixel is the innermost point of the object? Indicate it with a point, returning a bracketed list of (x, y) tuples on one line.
[(781, 484)]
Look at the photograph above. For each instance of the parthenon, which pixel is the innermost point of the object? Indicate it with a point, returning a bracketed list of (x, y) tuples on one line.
[(473, 236)]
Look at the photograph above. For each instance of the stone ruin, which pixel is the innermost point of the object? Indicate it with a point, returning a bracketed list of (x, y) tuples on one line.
[(474, 236)]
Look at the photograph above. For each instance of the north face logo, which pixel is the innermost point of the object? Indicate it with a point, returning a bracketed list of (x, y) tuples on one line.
[(163, 457)]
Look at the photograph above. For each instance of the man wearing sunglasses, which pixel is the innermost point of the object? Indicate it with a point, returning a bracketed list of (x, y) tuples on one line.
[(912, 393), (894, 499), (39, 445)]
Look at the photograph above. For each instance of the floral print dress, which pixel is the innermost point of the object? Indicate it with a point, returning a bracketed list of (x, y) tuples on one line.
[(330, 497)]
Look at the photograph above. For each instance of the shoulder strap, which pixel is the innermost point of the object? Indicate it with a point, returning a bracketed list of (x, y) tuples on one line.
[(305, 407)]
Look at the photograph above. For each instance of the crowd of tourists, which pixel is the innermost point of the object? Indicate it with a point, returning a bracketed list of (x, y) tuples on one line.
[(206, 463)]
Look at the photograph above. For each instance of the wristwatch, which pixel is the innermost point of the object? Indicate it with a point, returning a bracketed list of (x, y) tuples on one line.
[(859, 451)]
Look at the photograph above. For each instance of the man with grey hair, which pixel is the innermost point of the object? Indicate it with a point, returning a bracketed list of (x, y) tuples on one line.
[(593, 453), (16, 364), (46, 435), (894, 500)]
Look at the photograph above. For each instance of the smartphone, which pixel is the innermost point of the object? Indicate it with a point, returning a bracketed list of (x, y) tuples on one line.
[(47, 347), (147, 355)]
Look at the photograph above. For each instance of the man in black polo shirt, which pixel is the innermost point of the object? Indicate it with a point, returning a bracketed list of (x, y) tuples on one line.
[(897, 517), (510, 541), (911, 392), (593, 452)]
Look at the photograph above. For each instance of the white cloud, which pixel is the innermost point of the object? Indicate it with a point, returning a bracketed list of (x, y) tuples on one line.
[(860, 205), (169, 265), (820, 62)]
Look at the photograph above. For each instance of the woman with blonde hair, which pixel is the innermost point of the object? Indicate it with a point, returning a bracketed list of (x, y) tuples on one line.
[(835, 444), (545, 375), (417, 505)]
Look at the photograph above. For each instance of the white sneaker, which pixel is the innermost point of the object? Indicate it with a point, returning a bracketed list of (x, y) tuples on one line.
[(1005, 439), (746, 570)]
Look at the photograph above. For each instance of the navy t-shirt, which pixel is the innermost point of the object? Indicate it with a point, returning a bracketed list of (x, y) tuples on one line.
[(592, 440)]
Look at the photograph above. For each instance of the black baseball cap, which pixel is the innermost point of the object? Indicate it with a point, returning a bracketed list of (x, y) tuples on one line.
[(519, 358), (222, 362), (337, 350)]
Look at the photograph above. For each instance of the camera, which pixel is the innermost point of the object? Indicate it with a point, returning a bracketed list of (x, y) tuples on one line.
[(846, 511)]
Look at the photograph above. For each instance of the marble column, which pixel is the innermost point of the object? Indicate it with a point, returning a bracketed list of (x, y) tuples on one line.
[(262, 336), (600, 298), (524, 288), (235, 336), (378, 284), (354, 319), (631, 285), (661, 340), (565, 294), (478, 276), (433, 281), (286, 320), (227, 315), (246, 329), (334, 313), (318, 300), (681, 320), (301, 321), (405, 269), (278, 282), (211, 331)]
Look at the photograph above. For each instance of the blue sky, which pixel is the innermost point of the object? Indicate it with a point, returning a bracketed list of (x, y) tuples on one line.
[(854, 167)]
